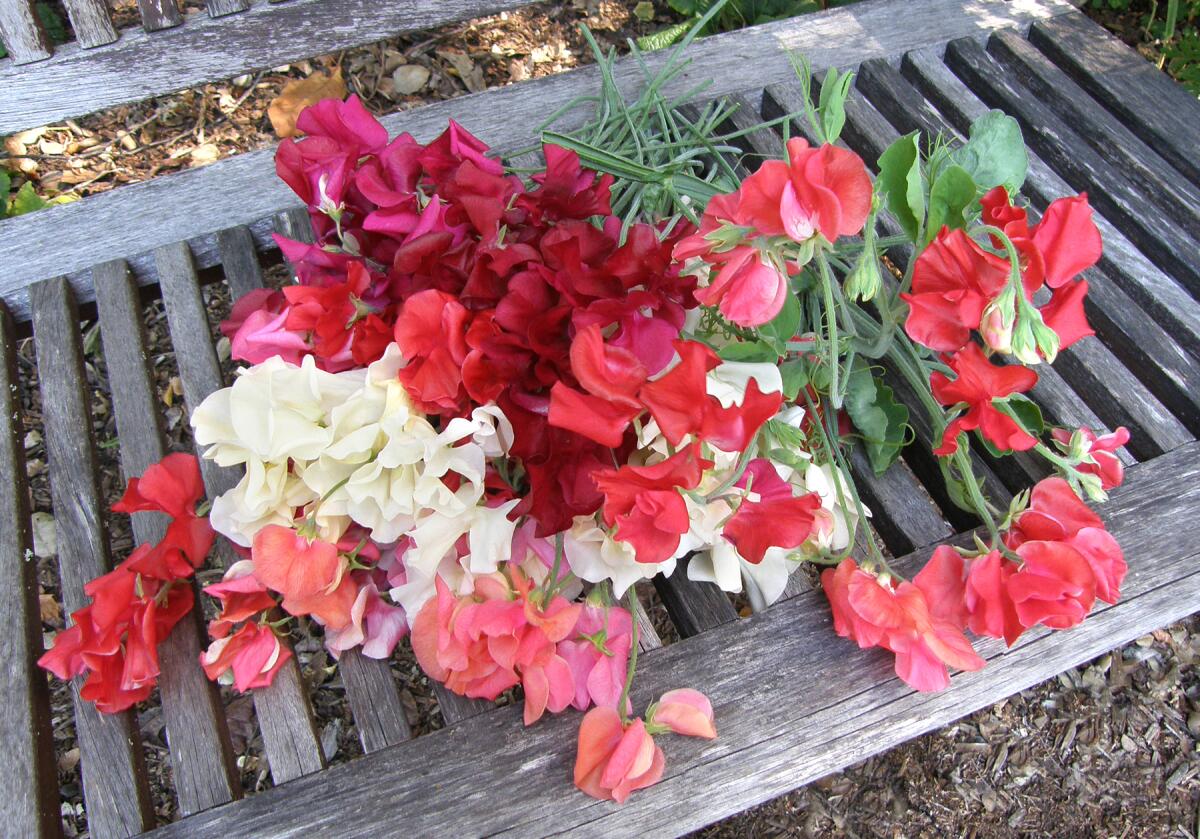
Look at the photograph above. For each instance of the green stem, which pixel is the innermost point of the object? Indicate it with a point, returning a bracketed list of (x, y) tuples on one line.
[(832, 331), (623, 703)]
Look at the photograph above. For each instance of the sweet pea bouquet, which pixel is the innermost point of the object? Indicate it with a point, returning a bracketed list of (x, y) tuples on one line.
[(488, 406)]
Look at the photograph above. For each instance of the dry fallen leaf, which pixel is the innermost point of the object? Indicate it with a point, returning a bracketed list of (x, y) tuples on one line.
[(409, 78), (51, 611), (298, 95), (45, 535), (204, 154)]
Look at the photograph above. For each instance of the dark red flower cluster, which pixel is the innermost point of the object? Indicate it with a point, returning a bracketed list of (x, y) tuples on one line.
[(114, 639), (481, 281)]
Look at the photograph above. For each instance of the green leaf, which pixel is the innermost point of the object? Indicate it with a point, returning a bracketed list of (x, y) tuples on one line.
[(5, 186), (952, 192), (52, 23), (834, 90), (877, 415), (779, 330), (663, 38), (900, 182), (1028, 414), (795, 377), (26, 201), (749, 351), (995, 153)]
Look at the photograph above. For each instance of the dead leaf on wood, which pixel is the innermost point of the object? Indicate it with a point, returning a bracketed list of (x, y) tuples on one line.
[(285, 108), (69, 760), (51, 611), (409, 78), (45, 535), (204, 154)]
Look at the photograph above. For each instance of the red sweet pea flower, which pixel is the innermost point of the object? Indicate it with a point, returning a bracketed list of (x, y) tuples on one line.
[(1057, 515), (989, 605), (172, 486), (251, 657), (431, 333), (1065, 315), (900, 620), (777, 519), (1067, 239), (978, 383), (953, 281), (677, 399), (615, 759), (645, 505), (1102, 450), (607, 371), (590, 416), (824, 189), (241, 595), (1055, 586)]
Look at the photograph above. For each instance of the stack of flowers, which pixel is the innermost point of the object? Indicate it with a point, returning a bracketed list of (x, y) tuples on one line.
[(487, 407)]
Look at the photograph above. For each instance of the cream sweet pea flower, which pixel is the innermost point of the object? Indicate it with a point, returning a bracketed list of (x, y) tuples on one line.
[(729, 380), (595, 556)]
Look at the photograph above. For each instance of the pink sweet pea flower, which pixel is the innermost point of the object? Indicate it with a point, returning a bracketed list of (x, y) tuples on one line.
[(748, 289), (614, 759), (374, 624), (264, 334), (684, 711), (598, 655), (251, 657)]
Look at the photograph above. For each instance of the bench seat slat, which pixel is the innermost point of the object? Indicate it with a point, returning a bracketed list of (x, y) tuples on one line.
[(1147, 318), (28, 775), (1059, 145), (1121, 398), (202, 764), (1148, 102), (92, 24), (115, 786), (22, 32), (283, 709), (1159, 182), (777, 684)]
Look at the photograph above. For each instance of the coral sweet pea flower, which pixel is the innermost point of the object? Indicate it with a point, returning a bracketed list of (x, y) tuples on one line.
[(613, 760), (684, 711), (1102, 450), (249, 658), (980, 382)]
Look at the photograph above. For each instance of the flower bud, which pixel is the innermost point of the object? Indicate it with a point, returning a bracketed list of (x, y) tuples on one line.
[(996, 325), (864, 281)]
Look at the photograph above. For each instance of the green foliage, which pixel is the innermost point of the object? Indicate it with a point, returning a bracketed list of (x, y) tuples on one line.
[(953, 191), (995, 153), (25, 200), (882, 420), (901, 184), (734, 14), (785, 325)]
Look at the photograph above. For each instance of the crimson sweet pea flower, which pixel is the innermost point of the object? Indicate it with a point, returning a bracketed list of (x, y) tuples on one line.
[(776, 519), (978, 384), (614, 759), (645, 505), (1057, 515), (431, 333)]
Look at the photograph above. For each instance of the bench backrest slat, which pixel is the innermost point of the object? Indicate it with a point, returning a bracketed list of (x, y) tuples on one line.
[(115, 787), (159, 14), (91, 21), (22, 33)]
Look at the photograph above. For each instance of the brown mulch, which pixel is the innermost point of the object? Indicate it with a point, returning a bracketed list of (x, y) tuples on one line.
[(1108, 749)]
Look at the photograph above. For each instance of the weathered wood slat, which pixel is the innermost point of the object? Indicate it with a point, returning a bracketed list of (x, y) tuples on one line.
[(1150, 332), (1159, 237), (283, 709), (28, 775), (22, 32), (191, 206), (1113, 141), (202, 764), (93, 27), (239, 261), (220, 8), (374, 701), (115, 788), (159, 14), (1121, 398), (694, 607), (777, 684), (1148, 102)]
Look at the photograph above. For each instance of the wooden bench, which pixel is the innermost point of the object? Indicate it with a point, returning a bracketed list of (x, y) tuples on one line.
[(793, 701)]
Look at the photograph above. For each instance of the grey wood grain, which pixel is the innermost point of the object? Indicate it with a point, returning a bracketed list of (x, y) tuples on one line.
[(283, 709), (374, 700), (115, 789), (694, 607), (28, 776), (220, 8), (239, 260), (1147, 319), (778, 682), (1159, 237), (191, 206), (203, 769), (159, 14), (207, 49), (91, 22), (22, 33), (1082, 399), (1149, 103), (1113, 141)]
